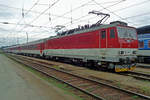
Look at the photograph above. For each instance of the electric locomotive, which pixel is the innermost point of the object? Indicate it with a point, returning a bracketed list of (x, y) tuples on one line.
[(113, 46)]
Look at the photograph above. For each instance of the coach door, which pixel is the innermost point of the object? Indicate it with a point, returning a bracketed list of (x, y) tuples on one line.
[(103, 38), (41, 47)]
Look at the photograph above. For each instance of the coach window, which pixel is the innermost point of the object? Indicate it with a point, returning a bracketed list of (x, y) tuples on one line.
[(149, 44), (141, 44), (112, 33), (103, 34)]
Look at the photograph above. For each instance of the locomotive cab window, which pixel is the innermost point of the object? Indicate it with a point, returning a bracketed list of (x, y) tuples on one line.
[(112, 33), (103, 34), (126, 32)]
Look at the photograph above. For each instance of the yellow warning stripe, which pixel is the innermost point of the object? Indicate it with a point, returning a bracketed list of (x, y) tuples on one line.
[(124, 69)]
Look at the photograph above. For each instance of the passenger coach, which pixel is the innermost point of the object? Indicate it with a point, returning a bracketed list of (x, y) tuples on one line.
[(144, 44)]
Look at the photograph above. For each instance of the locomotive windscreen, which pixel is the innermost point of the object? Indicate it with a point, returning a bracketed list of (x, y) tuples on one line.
[(125, 32)]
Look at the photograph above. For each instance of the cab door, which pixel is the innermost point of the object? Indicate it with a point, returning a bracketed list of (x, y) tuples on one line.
[(112, 38), (103, 38)]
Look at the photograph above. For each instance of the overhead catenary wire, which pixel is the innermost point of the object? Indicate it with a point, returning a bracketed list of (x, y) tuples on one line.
[(120, 10), (29, 25), (109, 6), (44, 11), (41, 13), (69, 11), (133, 5), (59, 16), (107, 2), (28, 10), (66, 12), (23, 15), (125, 18), (112, 12), (130, 6), (124, 8), (62, 16), (138, 15), (68, 23), (87, 14)]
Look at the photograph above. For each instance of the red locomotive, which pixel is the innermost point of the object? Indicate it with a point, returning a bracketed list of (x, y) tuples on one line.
[(113, 46)]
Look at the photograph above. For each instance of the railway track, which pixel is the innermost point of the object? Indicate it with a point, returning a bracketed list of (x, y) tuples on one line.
[(138, 75), (95, 89), (142, 65)]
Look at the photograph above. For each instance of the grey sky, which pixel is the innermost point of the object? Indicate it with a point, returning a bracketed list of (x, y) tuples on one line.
[(135, 12)]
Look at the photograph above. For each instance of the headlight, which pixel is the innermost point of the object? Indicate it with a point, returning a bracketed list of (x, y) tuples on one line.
[(134, 52), (121, 52)]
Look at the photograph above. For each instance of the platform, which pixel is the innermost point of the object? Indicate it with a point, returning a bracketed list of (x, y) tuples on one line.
[(16, 83)]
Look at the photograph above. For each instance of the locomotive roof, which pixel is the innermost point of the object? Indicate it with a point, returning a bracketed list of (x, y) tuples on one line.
[(38, 41), (24, 44), (11, 46), (33, 42), (101, 26)]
